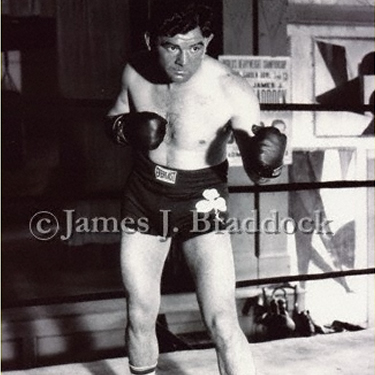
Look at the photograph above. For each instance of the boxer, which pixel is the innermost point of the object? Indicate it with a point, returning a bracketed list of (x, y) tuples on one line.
[(178, 108)]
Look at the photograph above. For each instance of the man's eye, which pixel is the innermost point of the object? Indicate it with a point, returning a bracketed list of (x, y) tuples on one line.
[(196, 48), (172, 48)]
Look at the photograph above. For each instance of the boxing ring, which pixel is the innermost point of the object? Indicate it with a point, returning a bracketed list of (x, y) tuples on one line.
[(345, 353)]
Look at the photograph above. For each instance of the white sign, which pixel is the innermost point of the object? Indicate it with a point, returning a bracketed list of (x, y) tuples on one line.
[(269, 76)]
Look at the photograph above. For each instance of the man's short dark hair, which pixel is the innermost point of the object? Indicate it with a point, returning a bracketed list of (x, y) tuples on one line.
[(171, 17)]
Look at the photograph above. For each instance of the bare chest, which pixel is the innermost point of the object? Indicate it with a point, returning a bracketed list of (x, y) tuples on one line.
[(195, 115)]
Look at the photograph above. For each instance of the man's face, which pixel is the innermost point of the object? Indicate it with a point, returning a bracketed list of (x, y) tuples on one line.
[(181, 56)]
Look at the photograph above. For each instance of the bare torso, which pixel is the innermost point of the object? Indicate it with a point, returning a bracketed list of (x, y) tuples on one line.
[(198, 113)]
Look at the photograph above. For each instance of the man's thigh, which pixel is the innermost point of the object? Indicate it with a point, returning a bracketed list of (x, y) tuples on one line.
[(142, 260), (210, 259)]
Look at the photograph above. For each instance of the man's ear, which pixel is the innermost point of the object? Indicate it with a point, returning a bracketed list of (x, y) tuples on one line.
[(208, 39), (147, 38)]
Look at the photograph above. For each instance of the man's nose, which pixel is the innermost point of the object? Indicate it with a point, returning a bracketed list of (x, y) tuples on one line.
[(182, 58)]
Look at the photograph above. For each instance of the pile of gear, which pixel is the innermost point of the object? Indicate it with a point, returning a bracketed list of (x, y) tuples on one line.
[(276, 318)]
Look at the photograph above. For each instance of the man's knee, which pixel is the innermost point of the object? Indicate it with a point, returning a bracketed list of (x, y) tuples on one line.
[(142, 315), (223, 326)]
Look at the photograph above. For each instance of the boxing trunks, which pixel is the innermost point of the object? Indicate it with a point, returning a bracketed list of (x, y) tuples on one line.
[(166, 202)]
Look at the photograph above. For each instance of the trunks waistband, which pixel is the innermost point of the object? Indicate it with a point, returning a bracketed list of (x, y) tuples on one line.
[(173, 177)]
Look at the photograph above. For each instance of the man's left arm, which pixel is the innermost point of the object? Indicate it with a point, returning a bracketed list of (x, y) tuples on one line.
[(262, 148)]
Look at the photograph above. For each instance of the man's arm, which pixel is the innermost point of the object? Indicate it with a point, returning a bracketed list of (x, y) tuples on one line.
[(142, 130), (113, 121), (262, 148), (121, 105)]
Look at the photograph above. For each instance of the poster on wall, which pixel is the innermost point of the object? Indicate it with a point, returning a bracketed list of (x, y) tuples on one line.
[(270, 79), (368, 90), (343, 77), (269, 76)]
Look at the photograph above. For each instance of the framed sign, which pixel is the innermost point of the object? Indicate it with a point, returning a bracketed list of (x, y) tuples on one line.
[(269, 76)]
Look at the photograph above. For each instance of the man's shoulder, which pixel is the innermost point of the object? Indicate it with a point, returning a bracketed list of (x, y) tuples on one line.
[(215, 68), (233, 85), (226, 75)]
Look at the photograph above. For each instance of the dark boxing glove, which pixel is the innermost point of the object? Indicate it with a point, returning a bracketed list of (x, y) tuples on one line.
[(142, 130), (266, 151)]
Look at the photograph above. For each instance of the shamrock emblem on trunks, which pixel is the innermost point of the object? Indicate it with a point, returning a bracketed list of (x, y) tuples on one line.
[(212, 202)]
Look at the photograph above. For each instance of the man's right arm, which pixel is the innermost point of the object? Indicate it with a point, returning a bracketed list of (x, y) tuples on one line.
[(141, 130), (121, 105), (113, 123)]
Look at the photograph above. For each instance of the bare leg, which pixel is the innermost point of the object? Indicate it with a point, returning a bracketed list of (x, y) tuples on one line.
[(142, 261), (211, 260)]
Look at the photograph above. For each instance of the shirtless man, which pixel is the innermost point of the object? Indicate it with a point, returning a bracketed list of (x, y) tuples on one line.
[(177, 108)]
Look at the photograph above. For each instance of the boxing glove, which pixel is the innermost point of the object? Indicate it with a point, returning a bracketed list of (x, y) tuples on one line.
[(142, 130), (266, 151)]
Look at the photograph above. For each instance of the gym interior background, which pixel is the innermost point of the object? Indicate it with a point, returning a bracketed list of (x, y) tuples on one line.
[(62, 300)]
